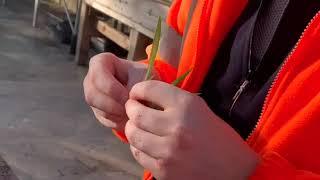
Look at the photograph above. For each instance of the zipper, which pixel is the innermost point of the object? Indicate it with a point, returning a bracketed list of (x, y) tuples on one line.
[(238, 94), (278, 74), (248, 79)]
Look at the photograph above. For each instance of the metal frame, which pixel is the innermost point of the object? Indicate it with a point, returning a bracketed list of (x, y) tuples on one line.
[(74, 28), (35, 13), (66, 10)]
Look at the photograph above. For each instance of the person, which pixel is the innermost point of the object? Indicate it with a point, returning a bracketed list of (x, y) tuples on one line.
[(250, 107)]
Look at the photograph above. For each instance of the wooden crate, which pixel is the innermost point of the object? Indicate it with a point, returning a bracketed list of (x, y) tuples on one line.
[(140, 15)]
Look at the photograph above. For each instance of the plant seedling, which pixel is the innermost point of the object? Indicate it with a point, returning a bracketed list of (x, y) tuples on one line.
[(153, 55)]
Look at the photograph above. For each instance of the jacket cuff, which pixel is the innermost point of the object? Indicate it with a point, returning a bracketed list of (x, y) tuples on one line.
[(121, 135), (166, 72), (273, 166)]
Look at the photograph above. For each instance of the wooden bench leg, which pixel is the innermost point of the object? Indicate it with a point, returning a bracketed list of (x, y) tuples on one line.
[(86, 29), (138, 44)]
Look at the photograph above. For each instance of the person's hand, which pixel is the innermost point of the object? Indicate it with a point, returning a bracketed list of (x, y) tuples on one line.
[(185, 140), (107, 86)]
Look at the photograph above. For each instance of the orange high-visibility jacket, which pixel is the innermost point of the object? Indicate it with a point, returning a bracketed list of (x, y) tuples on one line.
[(287, 135)]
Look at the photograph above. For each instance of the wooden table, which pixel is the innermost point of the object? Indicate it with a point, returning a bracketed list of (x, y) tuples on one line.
[(140, 15)]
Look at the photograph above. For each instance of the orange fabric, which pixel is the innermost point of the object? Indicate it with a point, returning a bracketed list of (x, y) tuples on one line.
[(147, 175), (288, 132), (120, 135), (287, 135), (211, 22), (290, 122), (178, 15)]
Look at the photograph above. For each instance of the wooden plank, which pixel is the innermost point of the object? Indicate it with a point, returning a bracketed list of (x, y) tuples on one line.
[(138, 44), (141, 15), (86, 30), (113, 34)]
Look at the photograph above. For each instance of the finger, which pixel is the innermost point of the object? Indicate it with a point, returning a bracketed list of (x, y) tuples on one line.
[(110, 121), (105, 103), (159, 93), (102, 76), (116, 65), (145, 161), (147, 119), (150, 144)]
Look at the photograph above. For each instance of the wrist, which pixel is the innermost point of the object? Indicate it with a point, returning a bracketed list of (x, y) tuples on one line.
[(248, 167)]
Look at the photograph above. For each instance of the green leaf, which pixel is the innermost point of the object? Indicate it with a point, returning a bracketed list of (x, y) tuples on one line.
[(154, 51), (181, 78)]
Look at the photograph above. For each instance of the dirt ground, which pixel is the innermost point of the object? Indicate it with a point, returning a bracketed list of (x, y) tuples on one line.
[(47, 131)]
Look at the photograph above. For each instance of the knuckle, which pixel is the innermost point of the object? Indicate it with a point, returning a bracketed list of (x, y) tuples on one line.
[(113, 109), (144, 87), (110, 88), (179, 131), (163, 166), (99, 59), (138, 88), (133, 137), (188, 101), (136, 141), (134, 113), (180, 139), (169, 154), (94, 61), (198, 99), (136, 116), (89, 96), (185, 99), (136, 153), (86, 82)]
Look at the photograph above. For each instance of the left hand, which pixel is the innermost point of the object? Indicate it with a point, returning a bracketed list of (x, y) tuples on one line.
[(185, 140)]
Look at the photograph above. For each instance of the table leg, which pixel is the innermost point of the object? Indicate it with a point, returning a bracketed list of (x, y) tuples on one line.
[(86, 29), (35, 13), (138, 44), (76, 28)]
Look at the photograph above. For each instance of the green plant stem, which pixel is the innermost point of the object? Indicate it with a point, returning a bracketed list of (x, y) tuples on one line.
[(154, 51), (181, 78)]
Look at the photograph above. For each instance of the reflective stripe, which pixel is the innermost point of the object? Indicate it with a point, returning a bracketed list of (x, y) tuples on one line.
[(186, 29), (171, 43)]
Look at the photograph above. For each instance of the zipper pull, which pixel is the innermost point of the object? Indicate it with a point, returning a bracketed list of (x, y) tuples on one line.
[(238, 94)]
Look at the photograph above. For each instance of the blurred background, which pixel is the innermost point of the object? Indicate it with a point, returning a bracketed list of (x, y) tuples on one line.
[(47, 132)]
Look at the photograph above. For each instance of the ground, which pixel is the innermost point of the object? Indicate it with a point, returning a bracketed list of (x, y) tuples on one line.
[(47, 132)]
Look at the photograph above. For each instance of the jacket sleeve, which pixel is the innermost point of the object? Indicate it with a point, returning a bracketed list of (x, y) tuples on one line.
[(275, 167)]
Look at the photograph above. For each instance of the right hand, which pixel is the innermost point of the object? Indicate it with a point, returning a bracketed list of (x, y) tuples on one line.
[(107, 86)]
